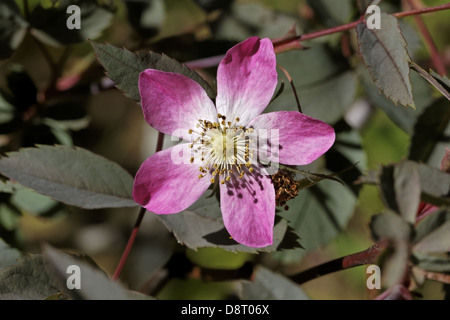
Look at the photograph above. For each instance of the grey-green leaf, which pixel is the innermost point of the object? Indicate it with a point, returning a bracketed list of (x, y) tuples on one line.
[(71, 175), (429, 130), (27, 280), (268, 285), (433, 233), (385, 55), (8, 255), (12, 28), (434, 79), (94, 284), (364, 4), (407, 189), (124, 67), (201, 226)]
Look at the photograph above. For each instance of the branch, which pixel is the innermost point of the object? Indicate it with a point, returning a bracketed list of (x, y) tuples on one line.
[(293, 43), (137, 224), (368, 256), (436, 58)]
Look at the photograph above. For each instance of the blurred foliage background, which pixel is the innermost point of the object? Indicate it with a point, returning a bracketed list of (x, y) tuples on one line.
[(72, 102)]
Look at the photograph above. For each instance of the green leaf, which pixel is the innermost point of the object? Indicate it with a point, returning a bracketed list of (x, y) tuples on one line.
[(364, 4), (27, 200), (432, 234), (407, 189), (434, 182), (391, 227), (12, 28), (433, 263), (317, 215), (444, 81), (8, 255), (74, 176), (400, 189), (436, 241), (384, 52), (325, 86), (95, 285), (124, 67), (435, 80), (50, 24), (201, 226), (268, 285), (146, 17), (27, 280), (246, 19), (332, 12), (429, 130), (404, 118)]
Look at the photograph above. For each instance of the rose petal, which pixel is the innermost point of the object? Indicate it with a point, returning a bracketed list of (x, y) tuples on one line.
[(165, 185), (248, 209), (296, 138), (246, 80), (173, 103)]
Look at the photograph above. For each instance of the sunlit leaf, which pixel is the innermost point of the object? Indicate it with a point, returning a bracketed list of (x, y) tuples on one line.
[(74, 176), (384, 52)]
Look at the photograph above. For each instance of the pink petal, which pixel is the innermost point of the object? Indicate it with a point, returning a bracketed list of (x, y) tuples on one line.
[(173, 103), (246, 80), (301, 139), (248, 209), (163, 185)]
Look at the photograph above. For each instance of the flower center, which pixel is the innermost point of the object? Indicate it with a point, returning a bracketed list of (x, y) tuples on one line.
[(222, 148)]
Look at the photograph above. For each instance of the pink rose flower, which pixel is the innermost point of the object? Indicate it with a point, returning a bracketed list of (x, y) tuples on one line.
[(219, 144)]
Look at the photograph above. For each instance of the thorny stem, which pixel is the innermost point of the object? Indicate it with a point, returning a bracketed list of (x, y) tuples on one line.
[(434, 52), (130, 243), (292, 43), (137, 224), (368, 256)]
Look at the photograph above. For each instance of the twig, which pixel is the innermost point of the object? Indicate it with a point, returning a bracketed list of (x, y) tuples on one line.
[(292, 43), (435, 57), (130, 243), (132, 238), (368, 256)]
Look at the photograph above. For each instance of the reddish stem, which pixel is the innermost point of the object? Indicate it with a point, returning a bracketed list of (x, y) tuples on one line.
[(130, 243), (434, 52), (294, 43), (137, 224), (368, 256)]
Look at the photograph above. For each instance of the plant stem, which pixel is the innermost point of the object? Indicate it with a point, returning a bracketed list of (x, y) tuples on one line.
[(368, 256), (130, 243), (434, 52), (137, 224), (293, 43)]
